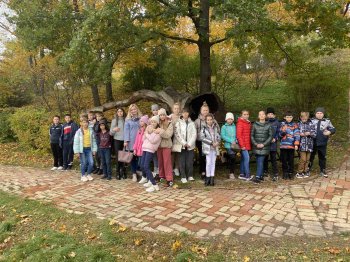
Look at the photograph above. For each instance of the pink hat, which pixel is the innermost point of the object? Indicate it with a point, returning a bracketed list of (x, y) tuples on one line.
[(144, 119)]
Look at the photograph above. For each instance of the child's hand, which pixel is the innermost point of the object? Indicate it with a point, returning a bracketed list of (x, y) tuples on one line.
[(94, 153), (260, 145), (296, 148), (116, 129), (125, 144), (307, 134), (327, 133), (273, 140)]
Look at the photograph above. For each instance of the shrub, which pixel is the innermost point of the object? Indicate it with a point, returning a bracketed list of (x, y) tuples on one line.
[(6, 133)]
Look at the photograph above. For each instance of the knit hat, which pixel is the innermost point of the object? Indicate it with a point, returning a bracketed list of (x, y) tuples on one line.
[(270, 110), (155, 119), (320, 109), (229, 116), (144, 119), (162, 111), (102, 122), (155, 107)]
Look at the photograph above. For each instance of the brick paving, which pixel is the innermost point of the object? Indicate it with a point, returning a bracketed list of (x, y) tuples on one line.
[(319, 207)]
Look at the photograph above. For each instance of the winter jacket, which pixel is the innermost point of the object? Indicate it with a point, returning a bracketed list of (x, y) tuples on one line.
[(199, 123), (262, 133), (78, 145), (166, 135), (228, 134), (185, 133), (290, 135), (131, 128), (307, 142), (138, 142), (321, 126), (207, 138), (120, 134), (275, 125), (151, 142), (55, 133), (105, 140), (243, 133), (69, 130)]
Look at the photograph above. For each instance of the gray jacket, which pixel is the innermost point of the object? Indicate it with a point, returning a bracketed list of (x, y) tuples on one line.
[(207, 138), (118, 135)]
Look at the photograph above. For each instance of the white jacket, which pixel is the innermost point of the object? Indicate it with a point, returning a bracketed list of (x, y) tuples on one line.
[(182, 131)]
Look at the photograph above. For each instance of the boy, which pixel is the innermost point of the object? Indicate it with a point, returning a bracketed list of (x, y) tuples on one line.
[(69, 129), (290, 139), (96, 128), (324, 129), (55, 132), (275, 124)]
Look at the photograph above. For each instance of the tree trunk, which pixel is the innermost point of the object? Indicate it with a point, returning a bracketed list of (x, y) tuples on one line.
[(108, 84), (95, 95)]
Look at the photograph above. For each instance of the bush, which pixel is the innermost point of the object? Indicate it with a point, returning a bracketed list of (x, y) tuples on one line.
[(30, 126), (6, 133)]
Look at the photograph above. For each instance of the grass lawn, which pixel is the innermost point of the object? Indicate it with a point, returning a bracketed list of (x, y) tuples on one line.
[(34, 231)]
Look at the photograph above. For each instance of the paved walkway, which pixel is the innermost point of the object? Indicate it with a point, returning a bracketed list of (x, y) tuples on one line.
[(314, 208)]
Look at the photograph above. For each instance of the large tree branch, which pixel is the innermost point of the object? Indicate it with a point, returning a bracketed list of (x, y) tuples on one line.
[(179, 38), (191, 15), (218, 41)]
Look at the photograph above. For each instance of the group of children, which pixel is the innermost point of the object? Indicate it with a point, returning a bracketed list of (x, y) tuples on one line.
[(167, 142)]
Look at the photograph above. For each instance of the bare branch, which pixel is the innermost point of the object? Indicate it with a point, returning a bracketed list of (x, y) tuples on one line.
[(218, 41), (7, 28), (179, 38)]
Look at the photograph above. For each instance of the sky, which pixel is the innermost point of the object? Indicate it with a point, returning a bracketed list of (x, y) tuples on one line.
[(4, 35)]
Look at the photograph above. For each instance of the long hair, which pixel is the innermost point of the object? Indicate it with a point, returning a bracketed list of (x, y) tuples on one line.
[(139, 114), (116, 114)]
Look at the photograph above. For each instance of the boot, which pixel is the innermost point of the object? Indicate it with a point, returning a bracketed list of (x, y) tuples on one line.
[(125, 175), (212, 181), (207, 181), (285, 176), (119, 174)]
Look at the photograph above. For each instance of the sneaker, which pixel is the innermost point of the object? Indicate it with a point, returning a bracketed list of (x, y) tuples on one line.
[(152, 188), (63, 169), (299, 175), (96, 171), (323, 174), (100, 172), (248, 178), (257, 180), (90, 178), (143, 180), (60, 168), (307, 174), (242, 177), (134, 177), (84, 178), (54, 168), (232, 176), (148, 184), (261, 179), (176, 172), (183, 180), (190, 178), (275, 179), (169, 184)]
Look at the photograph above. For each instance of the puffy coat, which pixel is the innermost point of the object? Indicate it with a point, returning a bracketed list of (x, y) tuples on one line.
[(207, 138), (321, 126), (307, 142), (228, 134), (243, 133), (166, 134), (138, 142), (78, 145), (262, 133), (199, 123), (275, 125), (56, 134), (151, 142), (185, 133), (290, 135)]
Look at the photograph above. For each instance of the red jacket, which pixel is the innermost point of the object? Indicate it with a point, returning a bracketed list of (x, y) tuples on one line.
[(243, 133)]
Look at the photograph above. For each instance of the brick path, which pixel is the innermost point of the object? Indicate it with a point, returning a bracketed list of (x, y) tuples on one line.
[(314, 208)]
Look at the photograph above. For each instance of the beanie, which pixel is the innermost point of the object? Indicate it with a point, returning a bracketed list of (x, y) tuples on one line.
[(270, 110), (144, 119), (162, 111), (155, 107), (155, 119), (320, 109), (229, 116)]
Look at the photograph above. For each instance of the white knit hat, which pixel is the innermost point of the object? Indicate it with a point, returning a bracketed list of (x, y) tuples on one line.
[(229, 116), (155, 119)]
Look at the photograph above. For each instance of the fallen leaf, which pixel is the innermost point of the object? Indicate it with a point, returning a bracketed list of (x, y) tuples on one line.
[(347, 249), (7, 239), (122, 228), (91, 237), (113, 222), (63, 228), (334, 250), (175, 186), (316, 250), (149, 258), (176, 245), (246, 259), (138, 242), (199, 250), (72, 254), (86, 231)]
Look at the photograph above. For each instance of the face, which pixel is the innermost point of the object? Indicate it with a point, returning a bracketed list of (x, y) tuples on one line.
[(176, 109), (90, 116), (162, 117), (304, 118), (56, 120), (154, 124), (271, 115), (142, 124), (262, 116), (84, 124), (319, 115), (245, 115), (133, 111), (99, 117), (155, 112), (205, 111), (103, 127), (288, 118), (185, 115), (120, 113), (229, 121), (67, 119), (209, 121)]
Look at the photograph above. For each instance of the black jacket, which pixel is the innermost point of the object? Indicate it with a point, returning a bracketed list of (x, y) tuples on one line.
[(56, 133)]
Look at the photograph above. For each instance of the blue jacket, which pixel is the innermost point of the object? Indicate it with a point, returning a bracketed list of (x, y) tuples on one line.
[(321, 126), (69, 130), (78, 144), (131, 127), (275, 125), (228, 134), (290, 135)]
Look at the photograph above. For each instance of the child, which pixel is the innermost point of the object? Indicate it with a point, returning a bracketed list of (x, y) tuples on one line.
[(92, 119), (166, 131), (130, 131), (324, 129), (243, 136), (261, 137), (210, 137), (105, 147), (151, 142), (69, 130), (290, 139), (307, 135), (228, 135), (117, 131), (275, 124), (55, 132), (85, 147), (186, 134), (154, 109), (175, 156), (138, 145), (99, 169)]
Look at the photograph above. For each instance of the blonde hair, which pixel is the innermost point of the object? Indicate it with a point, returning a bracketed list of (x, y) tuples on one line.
[(139, 114), (304, 114), (204, 105)]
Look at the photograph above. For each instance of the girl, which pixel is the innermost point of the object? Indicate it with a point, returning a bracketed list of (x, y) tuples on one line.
[(154, 109), (243, 137), (105, 149), (117, 131), (131, 128), (210, 137), (261, 137), (175, 156), (84, 146), (185, 136), (151, 142), (138, 145), (99, 117), (228, 135), (165, 131)]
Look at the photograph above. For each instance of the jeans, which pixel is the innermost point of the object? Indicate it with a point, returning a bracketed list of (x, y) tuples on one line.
[(273, 157), (186, 163), (155, 162), (147, 158), (86, 161), (141, 164), (322, 152), (260, 165), (105, 154), (201, 157), (244, 166), (211, 161), (67, 153), (134, 164), (57, 154)]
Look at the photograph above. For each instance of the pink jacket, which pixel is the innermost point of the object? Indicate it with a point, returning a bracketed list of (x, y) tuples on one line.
[(138, 142), (151, 142)]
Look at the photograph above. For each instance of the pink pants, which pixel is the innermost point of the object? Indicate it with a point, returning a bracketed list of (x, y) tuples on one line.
[(164, 163)]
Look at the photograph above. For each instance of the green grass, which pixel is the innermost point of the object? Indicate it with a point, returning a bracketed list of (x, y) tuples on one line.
[(34, 231)]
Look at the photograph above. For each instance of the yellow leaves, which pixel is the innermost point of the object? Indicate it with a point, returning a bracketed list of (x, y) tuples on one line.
[(176, 245), (63, 228), (246, 259), (72, 254), (333, 250), (199, 250), (113, 222), (6, 240), (92, 237), (122, 228), (138, 242)]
